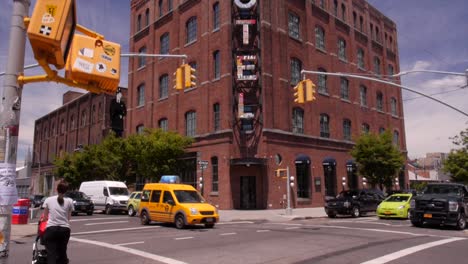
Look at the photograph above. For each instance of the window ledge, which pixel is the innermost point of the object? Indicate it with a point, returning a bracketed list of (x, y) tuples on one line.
[(141, 68), (343, 60), (215, 30), (163, 98), (321, 50), (345, 100), (190, 43), (295, 39), (324, 93), (214, 193), (190, 89)]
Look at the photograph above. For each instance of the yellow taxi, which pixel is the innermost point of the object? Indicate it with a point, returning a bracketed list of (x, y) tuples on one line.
[(180, 204)]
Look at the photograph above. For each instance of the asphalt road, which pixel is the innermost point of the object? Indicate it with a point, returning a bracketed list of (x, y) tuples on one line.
[(121, 239)]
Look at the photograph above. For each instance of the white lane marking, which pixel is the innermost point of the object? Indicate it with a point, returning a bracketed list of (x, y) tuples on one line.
[(130, 251), (292, 227), (227, 234), (114, 230), (182, 238), (233, 223), (131, 243), (411, 250), (104, 223), (262, 231), (104, 218)]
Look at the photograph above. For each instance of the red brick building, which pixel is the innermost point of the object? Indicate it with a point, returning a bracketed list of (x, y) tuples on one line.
[(248, 56), (83, 119)]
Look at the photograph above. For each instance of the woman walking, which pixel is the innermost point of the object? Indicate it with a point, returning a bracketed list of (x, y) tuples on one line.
[(57, 210)]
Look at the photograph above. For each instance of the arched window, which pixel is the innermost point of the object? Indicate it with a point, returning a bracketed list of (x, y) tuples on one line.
[(142, 60), (344, 88), (293, 25), (365, 128), (296, 67), (217, 64), (163, 86), (347, 129), (319, 38), (322, 82), (138, 25), (363, 95), (343, 12), (360, 58), (216, 117), (393, 105), (190, 123), (164, 43), (160, 7), (380, 102), (341, 49), (216, 17), (376, 65), (396, 138), (147, 19), (141, 95), (163, 124), (214, 174)]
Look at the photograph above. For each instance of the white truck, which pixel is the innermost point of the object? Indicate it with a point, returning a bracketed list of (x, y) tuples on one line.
[(108, 196)]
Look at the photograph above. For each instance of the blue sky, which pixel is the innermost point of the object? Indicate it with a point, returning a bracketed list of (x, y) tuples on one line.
[(432, 35)]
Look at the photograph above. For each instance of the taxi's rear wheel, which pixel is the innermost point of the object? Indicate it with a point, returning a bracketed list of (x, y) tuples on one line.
[(144, 219), (179, 221)]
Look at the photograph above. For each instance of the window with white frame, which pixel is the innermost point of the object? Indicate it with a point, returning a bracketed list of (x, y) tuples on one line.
[(379, 101), (141, 95), (393, 106), (322, 82), (360, 58), (217, 64), (142, 60), (396, 138), (347, 129), (216, 17), (341, 49), (164, 43), (163, 86), (163, 124), (214, 174), (377, 66), (319, 38), (147, 18), (191, 30), (296, 67), (298, 121), (324, 126), (138, 24), (344, 91), (293, 25), (363, 95), (216, 117), (190, 124)]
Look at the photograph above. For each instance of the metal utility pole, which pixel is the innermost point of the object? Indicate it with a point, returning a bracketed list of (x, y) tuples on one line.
[(9, 122), (288, 192)]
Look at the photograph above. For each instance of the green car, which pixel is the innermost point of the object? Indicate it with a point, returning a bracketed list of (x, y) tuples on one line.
[(133, 203), (395, 206)]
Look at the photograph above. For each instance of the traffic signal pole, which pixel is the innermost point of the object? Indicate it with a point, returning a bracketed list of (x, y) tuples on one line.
[(9, 122)]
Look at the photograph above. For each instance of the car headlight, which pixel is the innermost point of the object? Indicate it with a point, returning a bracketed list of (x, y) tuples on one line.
[(453, 206), (378, 207), (401, 207), (346, 204), (115, 202), (193, 211), (412, 204)]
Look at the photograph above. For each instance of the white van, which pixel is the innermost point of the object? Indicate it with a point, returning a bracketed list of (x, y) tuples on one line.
[(107, 195)]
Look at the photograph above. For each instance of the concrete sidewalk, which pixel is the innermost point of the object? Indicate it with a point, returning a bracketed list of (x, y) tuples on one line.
[(272, 215)]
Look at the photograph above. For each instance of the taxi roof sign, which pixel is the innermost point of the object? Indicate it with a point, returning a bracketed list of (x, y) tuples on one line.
[(51, 30), (169, 179)]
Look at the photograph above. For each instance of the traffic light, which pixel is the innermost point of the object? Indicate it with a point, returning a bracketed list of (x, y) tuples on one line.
[(178, 75), (190, 78), (310, 90), (94, 61), (299, 92), (280, 173), (51, 30)]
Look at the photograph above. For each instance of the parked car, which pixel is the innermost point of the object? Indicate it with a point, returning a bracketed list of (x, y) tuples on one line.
[(36, 200), (441, 204), (353, 202), (396, 205), (133, 204), (81, 202)]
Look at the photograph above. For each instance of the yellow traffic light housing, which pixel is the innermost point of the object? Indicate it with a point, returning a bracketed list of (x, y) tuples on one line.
[(51, 29), (309, 90), (178, 75), (299, 92), (190, 77), (94, 61)]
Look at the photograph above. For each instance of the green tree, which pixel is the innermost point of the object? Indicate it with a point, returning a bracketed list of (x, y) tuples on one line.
[(378, 159), (456, 163), (148, 156)]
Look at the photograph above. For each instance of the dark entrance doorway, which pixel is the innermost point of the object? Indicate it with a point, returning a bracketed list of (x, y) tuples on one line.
[(329, 168), (247, 192), (351, 170)]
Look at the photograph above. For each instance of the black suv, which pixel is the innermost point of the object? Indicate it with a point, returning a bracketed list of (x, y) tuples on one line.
[(353, 202), (81, 203), (441, 203)]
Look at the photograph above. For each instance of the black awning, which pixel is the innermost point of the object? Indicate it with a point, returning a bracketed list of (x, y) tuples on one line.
[(302, 158), (248, 161), (350, 162), (329, 161)]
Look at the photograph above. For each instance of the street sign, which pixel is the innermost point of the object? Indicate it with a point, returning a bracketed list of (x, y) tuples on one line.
[(203, 164)]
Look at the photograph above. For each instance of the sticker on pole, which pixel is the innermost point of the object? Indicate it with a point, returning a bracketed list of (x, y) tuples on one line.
[(8, 192)]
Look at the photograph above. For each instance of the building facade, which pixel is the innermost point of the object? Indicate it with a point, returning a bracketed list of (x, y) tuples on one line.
[(83, 119), (248, 56)]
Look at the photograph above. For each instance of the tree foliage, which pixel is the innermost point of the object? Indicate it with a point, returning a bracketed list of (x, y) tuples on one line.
[(148, 155), (378, 159), (456, 163)]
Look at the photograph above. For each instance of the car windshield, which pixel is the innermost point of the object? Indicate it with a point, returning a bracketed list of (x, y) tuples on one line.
[(443, 189), (184, 196), (77, 195), (397, 198), (118, 191), (347, 194)]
